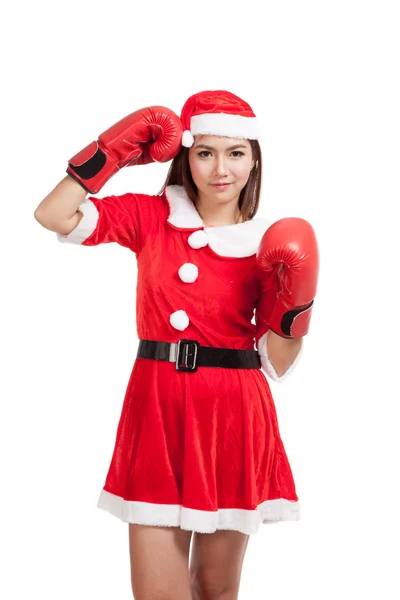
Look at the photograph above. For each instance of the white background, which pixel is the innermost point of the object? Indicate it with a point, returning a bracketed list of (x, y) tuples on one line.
[(324, 79)]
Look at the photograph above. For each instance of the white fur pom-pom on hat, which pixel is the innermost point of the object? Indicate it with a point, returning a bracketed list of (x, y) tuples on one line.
[(218, 113), (187, 139)]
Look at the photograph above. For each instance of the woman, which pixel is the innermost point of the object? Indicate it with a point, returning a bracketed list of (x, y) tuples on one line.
[(198, 449)]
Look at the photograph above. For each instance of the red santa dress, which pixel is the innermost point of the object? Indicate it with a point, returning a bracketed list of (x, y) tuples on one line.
[(198, 450)]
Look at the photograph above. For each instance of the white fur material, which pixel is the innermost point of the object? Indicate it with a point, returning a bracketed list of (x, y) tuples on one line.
[(182, 211), (198, 239), (179, 320), (188, 272), (86, 225), (266, 364), (233, 126), (187, 139), (203, 521), (237, 240)]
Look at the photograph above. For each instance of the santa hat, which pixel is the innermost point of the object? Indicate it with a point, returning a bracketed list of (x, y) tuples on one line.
[(218, 113)]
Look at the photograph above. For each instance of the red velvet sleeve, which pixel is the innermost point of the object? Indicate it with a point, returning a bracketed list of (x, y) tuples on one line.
[(125, 219)]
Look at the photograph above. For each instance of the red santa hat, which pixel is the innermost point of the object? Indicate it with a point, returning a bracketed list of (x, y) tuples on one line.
[(217, 113)]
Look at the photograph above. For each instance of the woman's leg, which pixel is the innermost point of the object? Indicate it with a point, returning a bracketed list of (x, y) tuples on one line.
[(159, 562), (216, 564)]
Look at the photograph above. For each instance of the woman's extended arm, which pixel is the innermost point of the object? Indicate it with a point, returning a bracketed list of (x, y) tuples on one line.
[(288, 252)]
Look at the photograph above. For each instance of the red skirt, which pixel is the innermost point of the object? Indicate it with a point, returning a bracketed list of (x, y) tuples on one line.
[(200, 451)]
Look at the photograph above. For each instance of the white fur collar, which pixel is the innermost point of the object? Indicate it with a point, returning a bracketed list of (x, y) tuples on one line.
[(237, 240)]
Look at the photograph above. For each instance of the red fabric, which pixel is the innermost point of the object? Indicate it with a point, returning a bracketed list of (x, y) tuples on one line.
[(215, 101), (205, 440), (208, 439)]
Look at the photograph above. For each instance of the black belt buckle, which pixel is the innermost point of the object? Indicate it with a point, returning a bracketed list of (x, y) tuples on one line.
[(187, 355)]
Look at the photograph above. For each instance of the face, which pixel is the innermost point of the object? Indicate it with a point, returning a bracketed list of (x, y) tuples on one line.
[(220, 167)]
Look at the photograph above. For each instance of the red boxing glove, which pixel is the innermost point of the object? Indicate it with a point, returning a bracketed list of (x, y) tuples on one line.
[(291, 242), (148, 135)]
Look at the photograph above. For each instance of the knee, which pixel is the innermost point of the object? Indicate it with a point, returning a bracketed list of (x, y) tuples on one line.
[(204, 588)]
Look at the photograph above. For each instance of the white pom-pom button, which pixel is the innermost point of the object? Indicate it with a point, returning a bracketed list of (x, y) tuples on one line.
[(187, 139), (188, 272), (198, 239), (179, 320)]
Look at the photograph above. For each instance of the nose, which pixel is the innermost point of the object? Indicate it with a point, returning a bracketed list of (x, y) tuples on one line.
[(220, 165)]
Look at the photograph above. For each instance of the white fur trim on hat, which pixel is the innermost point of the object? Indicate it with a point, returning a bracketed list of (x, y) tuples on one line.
[(235, 126)]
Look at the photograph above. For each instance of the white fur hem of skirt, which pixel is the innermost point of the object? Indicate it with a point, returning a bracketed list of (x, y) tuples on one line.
[(202, 521)]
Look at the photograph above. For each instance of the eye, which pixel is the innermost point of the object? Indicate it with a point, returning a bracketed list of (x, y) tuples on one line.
[(203, 152), (238, 153)]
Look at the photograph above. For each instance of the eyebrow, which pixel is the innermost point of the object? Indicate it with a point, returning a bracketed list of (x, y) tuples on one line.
[(230, 147)]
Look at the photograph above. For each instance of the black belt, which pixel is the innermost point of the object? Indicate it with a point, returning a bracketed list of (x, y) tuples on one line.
[(188, 355)]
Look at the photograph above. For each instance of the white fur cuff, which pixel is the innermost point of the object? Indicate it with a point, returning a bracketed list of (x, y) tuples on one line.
[(86, 225)]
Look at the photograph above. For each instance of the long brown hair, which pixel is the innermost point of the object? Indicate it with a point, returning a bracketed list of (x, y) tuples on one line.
[(249, 199)]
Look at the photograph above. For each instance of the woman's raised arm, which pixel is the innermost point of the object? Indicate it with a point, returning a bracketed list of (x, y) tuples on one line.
[(59, 210), (147, 135)]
